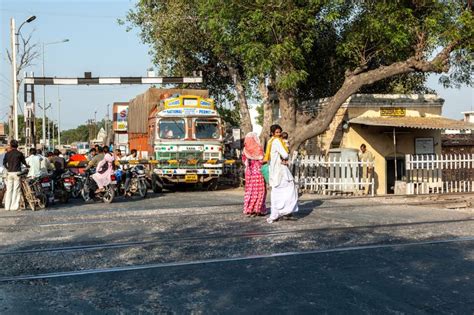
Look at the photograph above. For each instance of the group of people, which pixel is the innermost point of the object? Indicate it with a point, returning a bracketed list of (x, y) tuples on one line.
[(104, 161), (37, 165), (284, 194)]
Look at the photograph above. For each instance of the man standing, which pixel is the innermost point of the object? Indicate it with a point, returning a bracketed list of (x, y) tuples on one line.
[(367, 168), (34, 162), (12, 162)]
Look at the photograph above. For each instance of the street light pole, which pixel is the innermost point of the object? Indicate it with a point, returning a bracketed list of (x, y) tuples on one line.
[(59, 119), (13, 34), (15, 87)]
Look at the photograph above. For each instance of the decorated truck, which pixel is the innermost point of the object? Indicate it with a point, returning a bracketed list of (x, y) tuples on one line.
[(185, 135)]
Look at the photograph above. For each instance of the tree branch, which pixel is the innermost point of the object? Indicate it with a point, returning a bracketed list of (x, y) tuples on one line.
[(357, 78)]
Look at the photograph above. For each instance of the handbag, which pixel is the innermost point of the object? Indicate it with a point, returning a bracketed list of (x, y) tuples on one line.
[(265, 172)]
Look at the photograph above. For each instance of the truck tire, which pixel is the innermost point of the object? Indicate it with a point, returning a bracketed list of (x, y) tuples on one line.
[(156, 185)]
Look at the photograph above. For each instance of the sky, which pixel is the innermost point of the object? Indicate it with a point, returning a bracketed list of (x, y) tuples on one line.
[(98, 44)]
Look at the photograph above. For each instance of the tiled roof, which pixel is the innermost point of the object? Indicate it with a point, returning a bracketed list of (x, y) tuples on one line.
[(441, 123)]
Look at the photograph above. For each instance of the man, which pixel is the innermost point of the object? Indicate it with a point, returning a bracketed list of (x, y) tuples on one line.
[(12, 162), (46, 165), (96, 158), (128, 173), (368, 167), (59, 163), (34, 162)]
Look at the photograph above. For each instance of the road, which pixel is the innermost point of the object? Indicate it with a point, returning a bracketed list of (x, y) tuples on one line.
[(194, 252)]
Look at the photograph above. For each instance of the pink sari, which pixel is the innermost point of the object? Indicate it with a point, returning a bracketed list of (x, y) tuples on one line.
[(255, 190), (104, 178)]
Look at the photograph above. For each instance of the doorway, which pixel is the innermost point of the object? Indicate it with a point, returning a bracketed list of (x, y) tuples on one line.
[(390, 162)]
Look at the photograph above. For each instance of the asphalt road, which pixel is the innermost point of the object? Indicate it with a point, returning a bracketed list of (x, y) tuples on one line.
[(193, 252)]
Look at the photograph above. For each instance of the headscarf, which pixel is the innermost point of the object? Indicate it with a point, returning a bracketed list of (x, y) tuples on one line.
[(252, 148)]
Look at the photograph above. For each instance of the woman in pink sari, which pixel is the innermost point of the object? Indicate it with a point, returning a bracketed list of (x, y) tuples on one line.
[(255, 190), (104, 170)]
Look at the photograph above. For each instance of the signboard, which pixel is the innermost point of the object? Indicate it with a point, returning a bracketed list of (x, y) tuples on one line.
[(424, 146), (393, 111), (122, 115), (188, 112)]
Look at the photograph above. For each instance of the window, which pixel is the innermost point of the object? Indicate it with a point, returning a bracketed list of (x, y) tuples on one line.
[(207, 129), (172, 129)]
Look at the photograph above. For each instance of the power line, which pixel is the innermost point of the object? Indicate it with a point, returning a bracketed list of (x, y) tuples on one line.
[(63, 14)]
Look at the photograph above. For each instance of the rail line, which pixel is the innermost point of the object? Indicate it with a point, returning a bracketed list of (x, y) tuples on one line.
[(227, 259), (248, 234), (152, 217), (324, 198)]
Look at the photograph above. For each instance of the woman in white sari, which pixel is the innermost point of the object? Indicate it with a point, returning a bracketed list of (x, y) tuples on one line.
[(284, 196)]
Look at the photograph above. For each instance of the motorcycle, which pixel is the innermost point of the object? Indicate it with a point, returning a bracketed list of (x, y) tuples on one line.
[(55, 188), (138, 183), (89, 189)]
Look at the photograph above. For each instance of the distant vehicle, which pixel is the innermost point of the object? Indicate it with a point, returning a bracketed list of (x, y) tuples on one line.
[(80, 147)]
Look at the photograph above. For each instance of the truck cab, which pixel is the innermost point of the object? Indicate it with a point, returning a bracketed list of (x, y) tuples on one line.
[(187, 138)]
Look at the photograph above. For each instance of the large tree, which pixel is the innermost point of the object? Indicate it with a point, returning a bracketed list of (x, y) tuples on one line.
[(303, 49)]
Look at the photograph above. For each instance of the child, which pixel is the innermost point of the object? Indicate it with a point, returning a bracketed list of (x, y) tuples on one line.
[(284, 137)]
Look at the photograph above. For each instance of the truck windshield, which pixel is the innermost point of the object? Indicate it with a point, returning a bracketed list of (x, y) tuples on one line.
[(172, 129), (207, 129)]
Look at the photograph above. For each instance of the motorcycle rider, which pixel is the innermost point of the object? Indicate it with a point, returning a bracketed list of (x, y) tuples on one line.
[(97, 156), (34, 162), (128, 174)]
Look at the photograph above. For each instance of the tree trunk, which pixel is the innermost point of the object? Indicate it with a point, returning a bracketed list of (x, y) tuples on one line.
[(267, 111), (245, 121)]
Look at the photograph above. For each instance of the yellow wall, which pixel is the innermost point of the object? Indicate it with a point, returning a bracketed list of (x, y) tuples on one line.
[(379, 141)]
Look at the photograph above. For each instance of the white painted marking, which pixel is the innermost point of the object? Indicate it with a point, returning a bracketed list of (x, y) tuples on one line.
[(109, 81), (152, 80), (65, 81)]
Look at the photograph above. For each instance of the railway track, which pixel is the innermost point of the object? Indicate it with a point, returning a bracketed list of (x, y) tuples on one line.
[(76, 273), (186, 212), (214, 237)]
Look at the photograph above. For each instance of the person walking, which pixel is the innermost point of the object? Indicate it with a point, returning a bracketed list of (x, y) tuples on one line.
[(12, 162), (284, 196), (255, 190)]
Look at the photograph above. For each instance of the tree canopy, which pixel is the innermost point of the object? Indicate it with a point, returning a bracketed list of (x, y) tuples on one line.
[(306, 49)]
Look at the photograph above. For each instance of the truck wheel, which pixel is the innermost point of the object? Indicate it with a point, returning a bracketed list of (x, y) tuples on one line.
[(156, 185)]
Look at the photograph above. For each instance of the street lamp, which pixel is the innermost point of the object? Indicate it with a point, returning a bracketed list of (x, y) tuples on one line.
[(13, 35), (44, 87)]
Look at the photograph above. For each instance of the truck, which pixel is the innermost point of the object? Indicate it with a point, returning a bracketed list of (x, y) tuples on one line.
[(184, 140)]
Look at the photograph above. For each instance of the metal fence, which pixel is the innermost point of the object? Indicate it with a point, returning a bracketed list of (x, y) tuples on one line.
[(323, 175), (439, 173)]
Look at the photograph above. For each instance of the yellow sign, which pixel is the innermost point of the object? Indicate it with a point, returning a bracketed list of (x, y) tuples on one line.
[(191, 178), (393, 111), (189, 101)]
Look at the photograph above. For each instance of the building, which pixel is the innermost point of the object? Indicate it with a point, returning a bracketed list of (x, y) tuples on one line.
[(120, 126), (391, 126)]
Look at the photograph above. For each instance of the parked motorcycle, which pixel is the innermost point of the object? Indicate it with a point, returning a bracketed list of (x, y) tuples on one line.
[(89, 189), (55, 188)]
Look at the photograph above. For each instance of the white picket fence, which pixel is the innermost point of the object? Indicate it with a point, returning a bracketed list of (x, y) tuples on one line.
[(322, 175), (446, 173)]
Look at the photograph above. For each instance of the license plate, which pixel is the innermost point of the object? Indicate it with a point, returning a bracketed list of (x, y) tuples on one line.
[(67, 185), (45, 185), (190, 178), (113, 182)]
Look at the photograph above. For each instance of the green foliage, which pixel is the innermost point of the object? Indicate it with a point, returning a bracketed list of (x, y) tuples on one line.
[(306, 46), (78, 134)]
